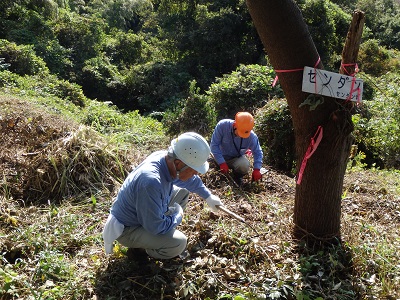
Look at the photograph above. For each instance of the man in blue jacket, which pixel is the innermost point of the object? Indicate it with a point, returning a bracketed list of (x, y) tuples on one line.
[(231, 140), (151, 201)]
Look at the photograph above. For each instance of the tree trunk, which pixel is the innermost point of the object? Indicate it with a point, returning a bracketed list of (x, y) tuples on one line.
[(289, 46)]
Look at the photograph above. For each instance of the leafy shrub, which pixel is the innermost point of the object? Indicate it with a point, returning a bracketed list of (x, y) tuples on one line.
[(383, 20), (68, 91), (368, 86), (375, 59), (57, 57), (127, 128), (83, 35), (274, 129), (32, 25), (195, 114), (154, 86), (125, 14), (9, 80), (212, 37), (42, 86), (220, 39), (377, 127), (97, 74), (22, 59), (127, 49), (246, 89)]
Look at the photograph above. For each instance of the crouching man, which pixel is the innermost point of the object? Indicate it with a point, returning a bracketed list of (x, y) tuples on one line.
[(151, 202)]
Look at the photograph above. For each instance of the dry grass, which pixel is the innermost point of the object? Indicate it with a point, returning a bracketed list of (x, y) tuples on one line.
[(46, 157), (57, 187)]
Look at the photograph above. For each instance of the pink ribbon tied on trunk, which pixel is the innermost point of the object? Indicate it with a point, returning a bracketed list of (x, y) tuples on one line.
[(315, 140)]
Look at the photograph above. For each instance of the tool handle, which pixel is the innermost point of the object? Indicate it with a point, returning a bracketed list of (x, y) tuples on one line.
[(224, 209)]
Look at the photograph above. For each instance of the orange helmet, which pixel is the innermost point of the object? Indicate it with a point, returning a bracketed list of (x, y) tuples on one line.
[(244, 123)]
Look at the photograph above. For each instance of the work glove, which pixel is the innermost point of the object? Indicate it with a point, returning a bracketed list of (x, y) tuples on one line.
[(213, 201), (224, 168), (176, 212), (176, 209), (256, 175)]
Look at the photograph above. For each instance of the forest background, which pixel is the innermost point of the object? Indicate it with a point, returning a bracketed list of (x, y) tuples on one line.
[(175, 66), (191, 63)]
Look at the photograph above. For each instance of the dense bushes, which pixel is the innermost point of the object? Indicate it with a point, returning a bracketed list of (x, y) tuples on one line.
[(376, 60), (154, 86), (383, 21), (82, 41), (97, 75), (328, 25), (39, 86), (274, 129), (125, 50), (193, 114), (143, 55), (22, 59), (377, 127), (247, 88)]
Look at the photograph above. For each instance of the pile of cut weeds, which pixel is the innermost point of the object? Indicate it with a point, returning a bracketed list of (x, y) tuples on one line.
[(44, 156), (58, 182)]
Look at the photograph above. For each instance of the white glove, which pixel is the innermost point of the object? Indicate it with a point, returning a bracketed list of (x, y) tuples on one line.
[(176, 209), (213, 201)]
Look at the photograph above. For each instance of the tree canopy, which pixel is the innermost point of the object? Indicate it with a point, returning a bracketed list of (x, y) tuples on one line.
[(144, 55)]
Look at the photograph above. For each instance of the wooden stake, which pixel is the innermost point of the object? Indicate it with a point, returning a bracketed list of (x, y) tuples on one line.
[(352, 44)]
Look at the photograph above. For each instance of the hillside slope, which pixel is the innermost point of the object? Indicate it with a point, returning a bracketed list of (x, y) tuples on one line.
[(57, 185)]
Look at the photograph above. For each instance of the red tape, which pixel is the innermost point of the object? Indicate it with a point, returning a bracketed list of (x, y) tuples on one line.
[(315, 140), (353, 81), (292, 70)]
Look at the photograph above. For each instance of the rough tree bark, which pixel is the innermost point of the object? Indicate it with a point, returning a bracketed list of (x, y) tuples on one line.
[(289, 46)]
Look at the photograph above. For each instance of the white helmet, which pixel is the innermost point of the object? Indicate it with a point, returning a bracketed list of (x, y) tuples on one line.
[(193, 150)]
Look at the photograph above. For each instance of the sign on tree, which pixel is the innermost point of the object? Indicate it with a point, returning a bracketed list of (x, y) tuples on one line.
[(341, 86)]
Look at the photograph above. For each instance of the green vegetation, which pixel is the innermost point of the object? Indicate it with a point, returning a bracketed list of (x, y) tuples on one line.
[(145, 56), (89, 88), (377, 126), (53, 248), (275, 132)]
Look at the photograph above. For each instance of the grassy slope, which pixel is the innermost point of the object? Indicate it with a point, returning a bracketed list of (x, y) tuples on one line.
[(51, 248)]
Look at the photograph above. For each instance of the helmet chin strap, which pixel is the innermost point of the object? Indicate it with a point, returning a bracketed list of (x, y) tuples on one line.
[(172, 154), (180, 170)]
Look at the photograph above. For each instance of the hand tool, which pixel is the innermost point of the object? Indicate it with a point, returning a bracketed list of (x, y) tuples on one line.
[(237, 217)]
